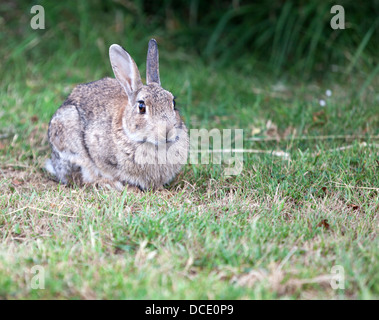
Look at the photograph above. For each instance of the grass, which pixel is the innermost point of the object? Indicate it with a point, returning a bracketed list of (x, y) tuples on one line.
[(272, 232)]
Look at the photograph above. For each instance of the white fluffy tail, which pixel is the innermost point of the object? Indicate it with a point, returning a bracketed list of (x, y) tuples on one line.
[(49, 167)]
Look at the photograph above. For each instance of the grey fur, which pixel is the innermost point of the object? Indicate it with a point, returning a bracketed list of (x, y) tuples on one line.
[(100, 133), (152, 63)]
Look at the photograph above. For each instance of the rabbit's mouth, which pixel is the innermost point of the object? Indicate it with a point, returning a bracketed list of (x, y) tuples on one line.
[(173, 140), (162, 142), (156, 142), (169, 139)]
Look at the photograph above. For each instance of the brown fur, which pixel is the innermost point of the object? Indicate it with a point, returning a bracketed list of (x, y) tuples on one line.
[(100, 132)]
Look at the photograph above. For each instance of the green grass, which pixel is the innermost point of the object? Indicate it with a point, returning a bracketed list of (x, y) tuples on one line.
[(272, 232)]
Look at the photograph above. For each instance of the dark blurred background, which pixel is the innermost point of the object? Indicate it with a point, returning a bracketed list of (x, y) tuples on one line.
[(274, 36)]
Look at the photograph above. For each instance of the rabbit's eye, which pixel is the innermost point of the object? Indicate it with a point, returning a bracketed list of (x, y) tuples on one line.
[(174, 104), (141, 107)]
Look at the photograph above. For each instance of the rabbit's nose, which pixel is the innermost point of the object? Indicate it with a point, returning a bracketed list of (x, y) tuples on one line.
[(171, 135)]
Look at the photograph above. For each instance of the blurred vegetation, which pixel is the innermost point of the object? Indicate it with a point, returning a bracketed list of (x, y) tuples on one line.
[(272, 36), (285, 35)]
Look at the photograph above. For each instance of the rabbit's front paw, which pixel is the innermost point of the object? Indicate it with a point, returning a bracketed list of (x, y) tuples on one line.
[(106, 184)]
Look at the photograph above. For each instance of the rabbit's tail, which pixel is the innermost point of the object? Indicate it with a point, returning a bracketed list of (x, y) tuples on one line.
[(49, 167)]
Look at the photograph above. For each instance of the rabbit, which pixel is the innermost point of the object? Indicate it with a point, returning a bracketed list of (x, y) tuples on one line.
[(119, 132)]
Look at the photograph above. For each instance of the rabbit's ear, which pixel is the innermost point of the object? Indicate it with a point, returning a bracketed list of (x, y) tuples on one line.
[(152, 63), (125, 69)]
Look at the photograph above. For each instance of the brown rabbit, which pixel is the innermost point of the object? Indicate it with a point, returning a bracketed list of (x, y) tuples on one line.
[(119, 132)]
